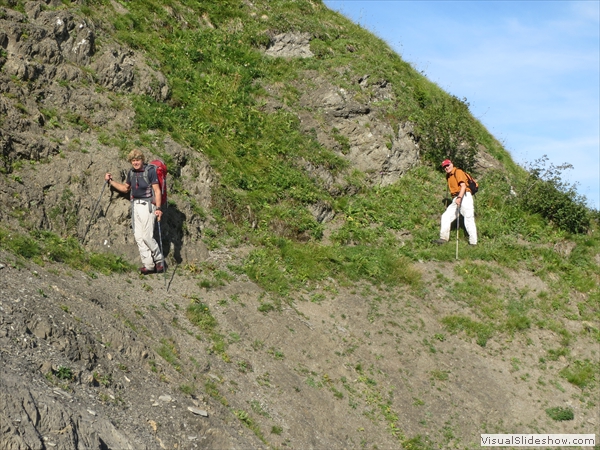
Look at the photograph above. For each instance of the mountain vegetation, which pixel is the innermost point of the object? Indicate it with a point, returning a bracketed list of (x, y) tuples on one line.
[(305, 305)]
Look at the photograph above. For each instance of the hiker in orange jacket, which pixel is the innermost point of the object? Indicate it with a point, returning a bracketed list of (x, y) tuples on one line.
[(462, 203)]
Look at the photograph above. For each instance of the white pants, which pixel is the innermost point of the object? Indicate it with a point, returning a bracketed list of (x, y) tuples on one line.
[(467, 210), (143, 230)]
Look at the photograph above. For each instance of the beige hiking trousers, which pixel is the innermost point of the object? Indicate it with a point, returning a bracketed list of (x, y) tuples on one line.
[(143, 231)]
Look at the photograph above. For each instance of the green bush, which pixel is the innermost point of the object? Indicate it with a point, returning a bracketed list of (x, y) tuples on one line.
[(64, 373), (559, 413), (544, 192), (19, 245), (446, 130), (580, 373)]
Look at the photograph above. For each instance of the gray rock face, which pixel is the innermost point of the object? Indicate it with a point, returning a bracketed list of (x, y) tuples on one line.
[(357, 130), (34, 417), (55, 99), (116, 70), (290, 45), (45, 50)]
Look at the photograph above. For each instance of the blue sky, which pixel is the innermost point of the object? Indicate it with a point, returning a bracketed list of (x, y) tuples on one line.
[(529, 69)]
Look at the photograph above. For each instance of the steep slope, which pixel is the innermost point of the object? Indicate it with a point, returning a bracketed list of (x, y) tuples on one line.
[(305, 306), (117, 362)]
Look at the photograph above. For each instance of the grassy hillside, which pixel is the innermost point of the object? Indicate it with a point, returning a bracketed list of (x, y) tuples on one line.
[(211, 53), (375, 255)]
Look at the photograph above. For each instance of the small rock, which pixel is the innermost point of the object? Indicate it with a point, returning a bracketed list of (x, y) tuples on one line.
[(93, 413), (46, 367), (62, 393), (198, 411), (165, 398)]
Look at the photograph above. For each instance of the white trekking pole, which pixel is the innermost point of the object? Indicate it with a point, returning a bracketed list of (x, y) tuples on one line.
[(457, 228)]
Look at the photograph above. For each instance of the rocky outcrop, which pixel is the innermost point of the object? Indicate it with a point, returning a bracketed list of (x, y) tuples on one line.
[(73, 376), (59, 118), (356, 130), (290, 45), (116, 70), (34, 417)]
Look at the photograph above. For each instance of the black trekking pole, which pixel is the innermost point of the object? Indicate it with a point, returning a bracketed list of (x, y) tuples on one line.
[(161, 251), (94, 212)]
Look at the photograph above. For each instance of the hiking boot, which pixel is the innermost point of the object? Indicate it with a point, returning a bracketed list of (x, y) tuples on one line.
[(145, 271), (439, 241), (160, 268)]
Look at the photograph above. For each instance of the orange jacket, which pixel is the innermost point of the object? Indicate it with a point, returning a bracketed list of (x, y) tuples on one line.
[(454, 179)]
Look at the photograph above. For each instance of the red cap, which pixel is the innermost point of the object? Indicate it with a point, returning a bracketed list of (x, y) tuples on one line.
[(446, 162)]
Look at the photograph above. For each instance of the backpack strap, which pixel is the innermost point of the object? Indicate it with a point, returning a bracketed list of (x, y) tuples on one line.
[(146, 178), (471, 183), (466, 174)]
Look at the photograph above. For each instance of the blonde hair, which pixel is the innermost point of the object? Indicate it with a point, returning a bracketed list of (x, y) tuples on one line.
[(135, 154)]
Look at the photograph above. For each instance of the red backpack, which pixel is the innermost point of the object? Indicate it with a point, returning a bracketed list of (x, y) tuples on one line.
[(161, 173)]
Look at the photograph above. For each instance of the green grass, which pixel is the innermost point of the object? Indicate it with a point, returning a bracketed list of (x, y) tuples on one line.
[(284, 265), (64, 373), (41, 246), (560, 414), (169, 353), (247, 420), (187, 389), (482, 332), (198, 313), (581, 373), (211, 388)]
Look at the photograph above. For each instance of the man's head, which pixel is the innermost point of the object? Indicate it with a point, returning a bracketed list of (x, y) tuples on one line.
[(447, 165), (136, 158), (135, 154)]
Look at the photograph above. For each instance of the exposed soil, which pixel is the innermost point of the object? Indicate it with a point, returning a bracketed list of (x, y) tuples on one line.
[(322, 373)]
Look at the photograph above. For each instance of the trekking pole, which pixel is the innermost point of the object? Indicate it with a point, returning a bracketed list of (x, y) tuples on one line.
[(93, 212), (161, 251), (457, 228)]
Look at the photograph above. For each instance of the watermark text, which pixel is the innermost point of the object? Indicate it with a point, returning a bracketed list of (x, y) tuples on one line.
[(538, 440)]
